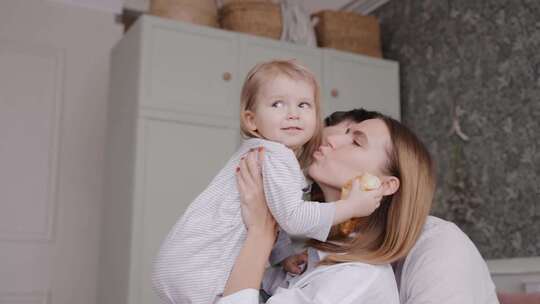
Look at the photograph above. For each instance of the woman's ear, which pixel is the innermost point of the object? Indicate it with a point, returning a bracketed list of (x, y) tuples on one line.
[(249, 119), (390, 185)]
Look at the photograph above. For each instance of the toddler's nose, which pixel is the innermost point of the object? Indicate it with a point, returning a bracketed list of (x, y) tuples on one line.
[(292, 116), (292, 113)]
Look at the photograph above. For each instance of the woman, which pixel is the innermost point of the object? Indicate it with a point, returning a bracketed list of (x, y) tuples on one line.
[(351, 270)]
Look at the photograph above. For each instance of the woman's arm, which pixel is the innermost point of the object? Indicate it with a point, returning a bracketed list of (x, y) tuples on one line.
[(249, 267)]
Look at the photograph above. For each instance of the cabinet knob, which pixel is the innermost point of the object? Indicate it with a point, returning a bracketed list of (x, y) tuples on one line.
[(334, 93), (227, 76)]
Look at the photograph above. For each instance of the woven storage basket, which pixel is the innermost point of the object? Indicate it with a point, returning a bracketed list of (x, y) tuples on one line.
[(261, 18), (202, 12), (223, 2), (349, 31)]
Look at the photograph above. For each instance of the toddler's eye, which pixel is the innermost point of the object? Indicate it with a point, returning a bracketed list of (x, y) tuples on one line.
[(304, 105), (277, 104)]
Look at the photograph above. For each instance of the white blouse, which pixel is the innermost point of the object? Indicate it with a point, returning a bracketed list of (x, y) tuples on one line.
[(343, 283)]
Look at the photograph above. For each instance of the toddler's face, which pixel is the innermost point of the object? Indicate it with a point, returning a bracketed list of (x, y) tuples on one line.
[(284, 112)]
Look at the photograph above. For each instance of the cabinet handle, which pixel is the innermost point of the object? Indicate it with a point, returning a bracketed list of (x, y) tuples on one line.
[(227, 76), (334, 93)]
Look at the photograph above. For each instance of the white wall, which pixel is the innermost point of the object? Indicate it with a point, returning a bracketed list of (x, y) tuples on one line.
[(54, 68)]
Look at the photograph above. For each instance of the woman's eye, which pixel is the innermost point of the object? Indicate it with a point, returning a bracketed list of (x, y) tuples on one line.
[(348, 131), (304, 105), (277, 104), (356, 143)]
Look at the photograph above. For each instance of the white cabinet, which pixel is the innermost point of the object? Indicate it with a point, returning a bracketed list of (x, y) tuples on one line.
[(173, 123), (255, 50), (352, 81), (187, 70)]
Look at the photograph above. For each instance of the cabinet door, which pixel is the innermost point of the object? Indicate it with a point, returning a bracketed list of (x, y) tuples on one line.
[(176, 161), (255, 50), (188, 68), (353, 81)]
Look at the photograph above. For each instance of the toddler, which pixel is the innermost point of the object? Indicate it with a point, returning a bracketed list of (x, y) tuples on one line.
[(280, 111)]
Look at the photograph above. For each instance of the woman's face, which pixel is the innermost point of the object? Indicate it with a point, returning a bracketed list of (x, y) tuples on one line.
[(349, 149)]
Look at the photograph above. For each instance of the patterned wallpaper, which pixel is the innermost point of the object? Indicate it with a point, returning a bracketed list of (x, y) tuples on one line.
[(470, 88)]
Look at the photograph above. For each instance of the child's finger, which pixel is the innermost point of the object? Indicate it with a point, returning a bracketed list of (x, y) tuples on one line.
[(355, 183), (377, 193), (355, 187)]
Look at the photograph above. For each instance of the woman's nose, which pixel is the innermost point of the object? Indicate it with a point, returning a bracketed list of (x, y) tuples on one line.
[(336, 141)]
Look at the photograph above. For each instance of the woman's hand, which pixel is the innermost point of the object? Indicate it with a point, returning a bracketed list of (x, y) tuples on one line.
[(255, 213)]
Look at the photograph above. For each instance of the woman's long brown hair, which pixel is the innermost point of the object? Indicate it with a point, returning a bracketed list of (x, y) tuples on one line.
[(391, 231)]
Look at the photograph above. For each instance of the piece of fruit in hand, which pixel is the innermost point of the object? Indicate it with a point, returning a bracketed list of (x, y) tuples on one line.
[(367, 182)]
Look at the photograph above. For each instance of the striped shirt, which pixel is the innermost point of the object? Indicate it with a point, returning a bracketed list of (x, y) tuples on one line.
[(197, 256)]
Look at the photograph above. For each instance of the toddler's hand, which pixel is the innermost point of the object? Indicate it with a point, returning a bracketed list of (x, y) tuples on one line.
[(293, 264), (364, 201)]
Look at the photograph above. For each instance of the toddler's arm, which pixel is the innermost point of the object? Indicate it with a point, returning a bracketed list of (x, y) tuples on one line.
[(283, 181)]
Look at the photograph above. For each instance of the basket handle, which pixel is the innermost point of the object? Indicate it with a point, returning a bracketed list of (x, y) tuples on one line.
[(315, 18)]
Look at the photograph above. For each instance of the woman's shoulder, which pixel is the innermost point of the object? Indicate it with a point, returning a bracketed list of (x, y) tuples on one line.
[(437, 231), (442, 248)]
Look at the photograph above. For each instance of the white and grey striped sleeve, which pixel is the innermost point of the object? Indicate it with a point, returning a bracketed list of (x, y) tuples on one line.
[(283, 182)]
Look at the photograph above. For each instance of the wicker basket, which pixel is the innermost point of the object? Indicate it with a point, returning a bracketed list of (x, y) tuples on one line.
[(349, 31), (261, 18), (224, 2), (202, 12)]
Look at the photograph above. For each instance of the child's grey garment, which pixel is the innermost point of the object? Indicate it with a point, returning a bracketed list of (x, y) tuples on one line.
[(276, 277), (195, 259)]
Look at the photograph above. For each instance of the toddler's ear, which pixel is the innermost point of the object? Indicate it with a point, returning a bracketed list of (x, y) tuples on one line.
[(249, 119), (390, 185)]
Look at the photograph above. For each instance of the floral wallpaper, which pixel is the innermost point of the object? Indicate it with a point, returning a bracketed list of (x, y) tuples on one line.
[(470, 88)]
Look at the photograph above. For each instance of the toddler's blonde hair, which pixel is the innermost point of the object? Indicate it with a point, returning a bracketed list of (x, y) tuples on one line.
[(264, 72)]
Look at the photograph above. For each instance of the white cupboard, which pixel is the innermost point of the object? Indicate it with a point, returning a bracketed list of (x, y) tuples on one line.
[(351, 81), (173, 123)]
